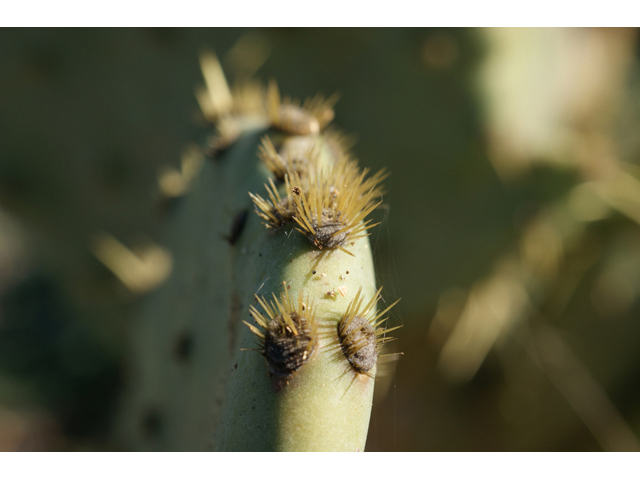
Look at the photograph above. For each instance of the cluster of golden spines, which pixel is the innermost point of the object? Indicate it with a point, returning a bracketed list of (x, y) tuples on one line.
[(331, 211), (288, 332), (227, 132), (299, 160), (287, 115), (329, 205), (251, 103), (276, 211), (361, 333), (218, 101), (249, 98), (252, 99)]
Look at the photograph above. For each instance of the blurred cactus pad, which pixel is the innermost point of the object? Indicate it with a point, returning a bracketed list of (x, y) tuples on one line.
[(195, 257)]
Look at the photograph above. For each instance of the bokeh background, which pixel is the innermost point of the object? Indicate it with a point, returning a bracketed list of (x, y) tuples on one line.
[(510, 228)]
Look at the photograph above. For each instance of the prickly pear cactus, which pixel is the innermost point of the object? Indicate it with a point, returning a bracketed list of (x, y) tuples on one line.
[(266, 336)]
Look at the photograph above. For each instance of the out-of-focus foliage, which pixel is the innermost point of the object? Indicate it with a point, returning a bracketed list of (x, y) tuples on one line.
[(511, 231)]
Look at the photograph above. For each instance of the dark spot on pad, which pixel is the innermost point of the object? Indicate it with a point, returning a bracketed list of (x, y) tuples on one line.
[(239, 222), (184, 347)]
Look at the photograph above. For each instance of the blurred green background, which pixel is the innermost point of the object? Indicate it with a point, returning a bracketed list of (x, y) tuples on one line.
[(510, 228)]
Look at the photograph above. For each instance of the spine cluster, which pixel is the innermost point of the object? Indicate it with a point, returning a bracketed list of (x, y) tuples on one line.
[(360, 333), (289, 332)]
